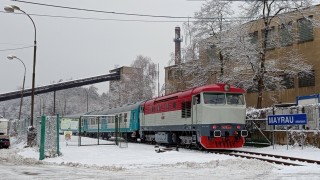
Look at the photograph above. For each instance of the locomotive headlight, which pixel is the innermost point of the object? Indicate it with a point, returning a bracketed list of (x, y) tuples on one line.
[(227, 87), (238, 126), (214, 127)]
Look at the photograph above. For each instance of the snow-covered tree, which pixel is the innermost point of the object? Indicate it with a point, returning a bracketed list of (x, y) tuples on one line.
[(136, 85), (254, 65), (204, 33), (236, 55)]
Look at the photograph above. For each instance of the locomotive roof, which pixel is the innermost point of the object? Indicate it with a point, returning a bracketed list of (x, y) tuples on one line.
[(196, 90)]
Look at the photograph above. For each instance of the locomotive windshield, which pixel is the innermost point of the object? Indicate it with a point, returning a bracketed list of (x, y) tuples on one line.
[(214, 98), (235, 99), (222, 98)]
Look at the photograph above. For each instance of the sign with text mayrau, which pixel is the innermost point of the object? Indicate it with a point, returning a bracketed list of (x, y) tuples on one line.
[(287, 119)]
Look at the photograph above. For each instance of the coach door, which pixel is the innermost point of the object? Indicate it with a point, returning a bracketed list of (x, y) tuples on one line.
[(195, 103)]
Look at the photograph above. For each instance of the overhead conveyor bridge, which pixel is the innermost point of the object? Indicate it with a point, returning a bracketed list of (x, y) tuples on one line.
[(115, 75)]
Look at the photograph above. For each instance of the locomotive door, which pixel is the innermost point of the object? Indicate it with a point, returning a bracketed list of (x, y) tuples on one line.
[(195, 103)]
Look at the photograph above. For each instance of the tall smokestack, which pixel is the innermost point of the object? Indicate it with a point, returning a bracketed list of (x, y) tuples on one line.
[(177, 41)]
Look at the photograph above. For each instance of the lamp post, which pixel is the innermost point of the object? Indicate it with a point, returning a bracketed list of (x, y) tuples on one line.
[(11, 57), (11, 9)]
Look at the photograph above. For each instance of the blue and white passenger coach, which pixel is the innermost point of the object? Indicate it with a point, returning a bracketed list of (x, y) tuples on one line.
[(128, 121)]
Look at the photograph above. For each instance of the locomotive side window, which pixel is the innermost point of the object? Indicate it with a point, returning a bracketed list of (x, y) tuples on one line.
[(174, 105), (196, 99), (235, 99), (214, 98)]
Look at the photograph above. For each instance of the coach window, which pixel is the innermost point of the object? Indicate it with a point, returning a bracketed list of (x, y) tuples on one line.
[(125, 117), (92, 121), (152, 109), (114, 119), (167, 106), (120, 118), (159, 108), (174, 105), (133, 116)]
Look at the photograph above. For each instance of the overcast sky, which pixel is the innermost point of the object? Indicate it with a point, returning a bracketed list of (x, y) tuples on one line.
[(77, 48)]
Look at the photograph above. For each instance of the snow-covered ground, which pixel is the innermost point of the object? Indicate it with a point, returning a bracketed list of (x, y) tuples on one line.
[(140, 161)]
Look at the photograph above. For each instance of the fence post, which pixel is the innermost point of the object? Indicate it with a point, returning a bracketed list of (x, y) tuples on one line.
[(58, 130), (117, 129), (42, 136)]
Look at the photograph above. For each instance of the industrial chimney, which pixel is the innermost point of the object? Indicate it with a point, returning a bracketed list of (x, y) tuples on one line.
[(177, 41)]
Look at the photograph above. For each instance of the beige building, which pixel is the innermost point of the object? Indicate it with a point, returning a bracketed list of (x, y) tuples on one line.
[(119, 90), (300, 33)]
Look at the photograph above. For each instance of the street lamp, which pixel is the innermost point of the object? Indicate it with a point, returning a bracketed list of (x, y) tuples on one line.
[(11, 9), (11, 57)]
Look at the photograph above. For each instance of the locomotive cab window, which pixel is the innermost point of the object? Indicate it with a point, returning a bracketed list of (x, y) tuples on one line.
[(235, 99), (196, 99), (214, 98)]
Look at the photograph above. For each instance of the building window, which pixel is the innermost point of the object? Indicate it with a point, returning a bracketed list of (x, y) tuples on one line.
[(178, 73), (186, 109), (170, 74), (270, 39), (305, 29), (287, 81), (285, 33), (252, 88), (307, 80), (254, 37), (212, 52)]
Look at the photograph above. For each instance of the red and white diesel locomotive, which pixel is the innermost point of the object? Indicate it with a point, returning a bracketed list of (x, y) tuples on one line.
[(210, 117)]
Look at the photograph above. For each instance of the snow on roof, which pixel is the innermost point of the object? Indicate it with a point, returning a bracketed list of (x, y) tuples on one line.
[(3, 120)]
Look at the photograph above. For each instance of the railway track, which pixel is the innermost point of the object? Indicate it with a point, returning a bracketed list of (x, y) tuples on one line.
[(271, 158)]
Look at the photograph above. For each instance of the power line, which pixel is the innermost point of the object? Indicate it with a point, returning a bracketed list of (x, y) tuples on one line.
[(16, 48), (99, 11), (91, 18), (110, 19), (121, 13)]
